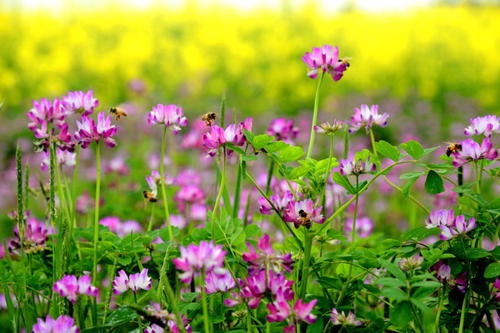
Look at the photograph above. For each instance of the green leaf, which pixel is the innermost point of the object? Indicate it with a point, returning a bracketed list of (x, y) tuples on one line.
[(390, 282), (394, 293), (298, 172), (474, 253), (413, 148), (260, 141), (411, 175), (290, 154), (419, 233), (401, 314), (385, 149), (121, 316), (276, 146), (434, 183), (344, 182), (427, 284), (407, 187), (393, 269)]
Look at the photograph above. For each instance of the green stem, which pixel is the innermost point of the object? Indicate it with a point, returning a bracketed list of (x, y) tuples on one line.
[(96, 208), (269, 176), (463, 312), (479, 174), (162, 184), (151, 217), (206, 321), (328, 172), (237, 191), (372, 139), (346, 143), (221, 189), (440, 305), (308, 239), (315, 117)]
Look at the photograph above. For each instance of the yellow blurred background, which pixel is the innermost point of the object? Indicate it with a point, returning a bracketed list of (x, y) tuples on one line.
[(190, 53)]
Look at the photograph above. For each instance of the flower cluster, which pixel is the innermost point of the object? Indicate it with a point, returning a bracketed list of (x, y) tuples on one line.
[(195, 259), (80, 102), (70, 287), (283, 129), (63, 324), (265, 258), (486, 126), (366, 117), (470, 150), (325, 59), (89, 131), (120, 228), (450, 225), (217, 136), (134, 282), (356, 167), (168, 320), (169, 115), (342, 319), (34, 237)]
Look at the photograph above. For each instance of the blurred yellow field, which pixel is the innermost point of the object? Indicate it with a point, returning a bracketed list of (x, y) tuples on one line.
[(191, 55)]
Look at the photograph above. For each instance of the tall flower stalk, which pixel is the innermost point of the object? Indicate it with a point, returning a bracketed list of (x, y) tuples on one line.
[(312, 136), (96, 208), (162, 184)]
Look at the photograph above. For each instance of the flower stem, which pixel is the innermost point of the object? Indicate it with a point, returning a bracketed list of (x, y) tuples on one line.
[(463, 312), (206, 321), (162, 184), (221, 189), (346, 143), (269, 176), (308, 239), (151, 217), (237, 190), (328, 172), (315, 117), (96, 208)]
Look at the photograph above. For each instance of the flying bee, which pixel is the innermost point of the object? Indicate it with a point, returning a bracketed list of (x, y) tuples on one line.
[(209, 118), (150, 196), (345, 61), (118, 112), (453, 148)]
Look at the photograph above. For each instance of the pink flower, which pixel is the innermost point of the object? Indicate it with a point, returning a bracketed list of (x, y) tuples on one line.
[(78, 101), (283, 129), (280, 202), (205, 257), (154, 329), (472, 151), (70, 287), (167, 318), (496, 285), (188, 195), (219, 281), (280, 310), (486, 126), (443, 271), (139, 281), (120, 228), (345, 320), (120, 283), (356, 167), (35, 236), (134, 282), (88, 131), (217, 136), (303, 213), (326, 59), (266, 258), (366, 116), (169, 115), (460, 226), (364, 227), (63, 157), (63, 324), (440, 217)]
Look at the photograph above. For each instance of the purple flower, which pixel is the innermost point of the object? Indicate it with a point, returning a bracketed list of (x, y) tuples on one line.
[(283, 129), (280, 310), (330, 129), (440, 217), (265, 258), (472, 151), (205, 257), (168, 319), (88, 131), (139, 281), (120, 283), (216, 136), (35, 236), (120, 228), (70, 287), (219, 281), (169, 115), (356, 167), (63, 157), (486, 126), (189, 195), (63, 324), (460, 226), (280, 202), (366, 116), (345, 320), (134, 282), (303, 213), (364, 227), (78, 101), (326, 59), (154, 329), (443, 271)]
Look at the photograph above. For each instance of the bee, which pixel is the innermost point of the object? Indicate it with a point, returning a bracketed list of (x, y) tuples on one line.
[(118, 112), (209, 118), (304, 219), (453, 148), (150, 196), (345, 61)]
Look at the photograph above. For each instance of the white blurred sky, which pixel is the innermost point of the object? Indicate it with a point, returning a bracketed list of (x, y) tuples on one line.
[(327, 5)]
